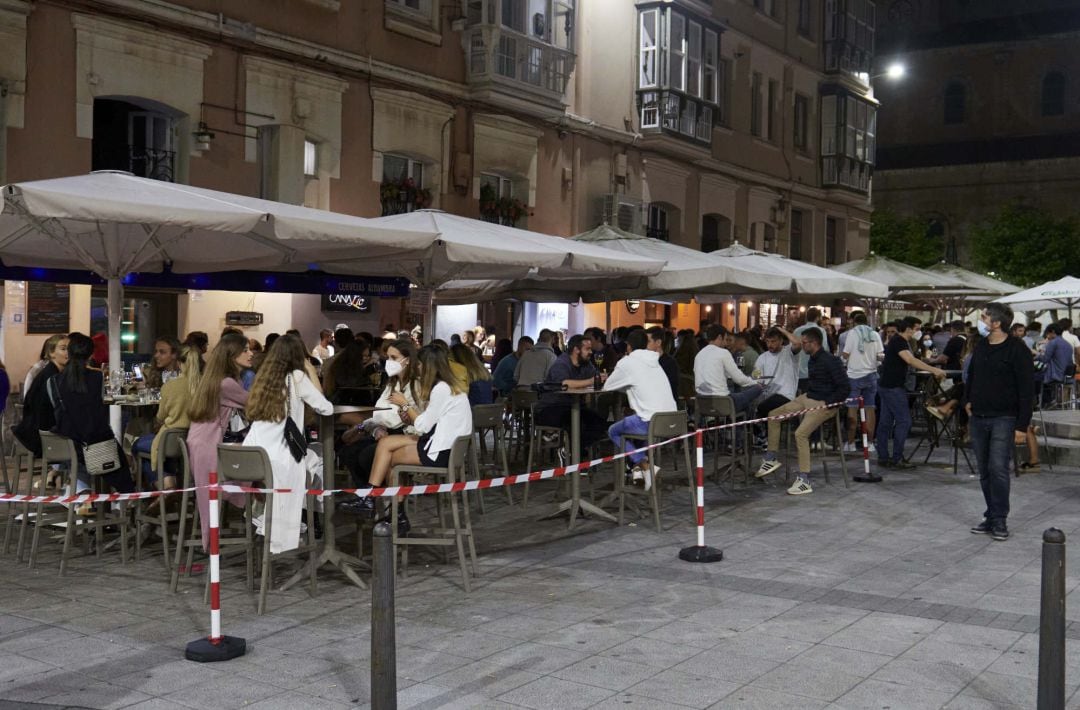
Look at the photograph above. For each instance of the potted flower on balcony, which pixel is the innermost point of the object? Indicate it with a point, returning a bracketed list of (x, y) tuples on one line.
[(501, 210), (399, 196)]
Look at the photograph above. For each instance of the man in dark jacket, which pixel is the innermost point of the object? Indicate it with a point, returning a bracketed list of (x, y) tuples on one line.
[(572, 370), (999, 398), (827, 384)]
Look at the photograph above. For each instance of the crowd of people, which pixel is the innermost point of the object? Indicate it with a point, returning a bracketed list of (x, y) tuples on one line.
[(251, 392)]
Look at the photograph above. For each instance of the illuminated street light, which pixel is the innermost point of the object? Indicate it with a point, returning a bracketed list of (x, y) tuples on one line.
[(896, 70)]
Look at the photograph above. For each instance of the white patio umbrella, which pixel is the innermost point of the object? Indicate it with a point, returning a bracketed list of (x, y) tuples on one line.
[(1063, 293), (897, 276), (114, 223), (806, 279), (977, 289)]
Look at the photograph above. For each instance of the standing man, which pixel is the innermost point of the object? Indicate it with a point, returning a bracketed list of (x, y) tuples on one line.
[(647, 390), (324, 350), (999, 395), (827, 384), (714, 366), (863, 350), (813, 315), (1066, 333), (895, 411)]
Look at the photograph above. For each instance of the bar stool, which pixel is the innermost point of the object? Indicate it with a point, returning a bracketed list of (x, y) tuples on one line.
[(188, 511), (521, 406), (721, 410), (439, 535), (489, 417), (537, 446), (21, 456), (60, 449), (168, 450), (838, 446), (251, 464), (662, 426)]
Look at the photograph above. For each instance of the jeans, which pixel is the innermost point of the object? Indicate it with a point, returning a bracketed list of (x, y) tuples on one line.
[(992, 441), (745, 397), (896, 416), (593, 424), (865, 387), (142, 446), (633, 425)]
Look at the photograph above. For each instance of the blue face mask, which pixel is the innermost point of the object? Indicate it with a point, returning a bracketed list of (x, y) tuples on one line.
[(984, 329)]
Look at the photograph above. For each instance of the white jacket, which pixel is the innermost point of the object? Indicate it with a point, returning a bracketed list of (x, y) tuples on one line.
[(713, 367), (647, 387)]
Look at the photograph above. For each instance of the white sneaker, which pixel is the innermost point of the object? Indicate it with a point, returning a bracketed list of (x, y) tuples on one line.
[(766, 468), (800, 487), (870, 448), (257, 521), (849, 447), (649, 474)]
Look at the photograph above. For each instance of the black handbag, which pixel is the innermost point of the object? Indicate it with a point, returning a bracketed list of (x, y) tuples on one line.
[(294, 438)]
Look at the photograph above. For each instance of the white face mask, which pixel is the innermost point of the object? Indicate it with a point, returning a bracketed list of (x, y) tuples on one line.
[(984, 329), (918, 335), (393, 368)]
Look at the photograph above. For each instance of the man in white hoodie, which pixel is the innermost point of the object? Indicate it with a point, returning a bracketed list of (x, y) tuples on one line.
[(647, 389), (863, 351)]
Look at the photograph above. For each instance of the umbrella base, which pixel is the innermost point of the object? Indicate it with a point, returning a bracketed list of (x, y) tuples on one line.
[(205, 651), (700, 553)]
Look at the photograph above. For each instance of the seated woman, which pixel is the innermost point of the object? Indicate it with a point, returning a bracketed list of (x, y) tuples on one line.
[(176, 396), (347, 379), (280, 391), (82, 415), (217, 398), (38, 413), (447, 417), (357, 450), (477, 378)]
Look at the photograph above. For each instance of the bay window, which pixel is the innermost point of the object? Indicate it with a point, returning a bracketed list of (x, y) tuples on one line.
[(679, 68), (848, 139)]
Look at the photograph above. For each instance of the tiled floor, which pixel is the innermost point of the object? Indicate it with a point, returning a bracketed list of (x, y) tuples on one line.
[(871, 597)]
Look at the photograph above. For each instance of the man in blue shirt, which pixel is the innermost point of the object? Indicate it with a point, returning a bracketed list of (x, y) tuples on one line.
[(1056, 359)]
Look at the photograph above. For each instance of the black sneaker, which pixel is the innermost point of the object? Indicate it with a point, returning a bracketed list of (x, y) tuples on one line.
[(884, 463), (902, 465), (983, 528), (364, 507), (403, 525), (999, 531)]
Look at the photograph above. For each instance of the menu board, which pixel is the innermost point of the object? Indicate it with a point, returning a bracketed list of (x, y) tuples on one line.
[(48, 308)]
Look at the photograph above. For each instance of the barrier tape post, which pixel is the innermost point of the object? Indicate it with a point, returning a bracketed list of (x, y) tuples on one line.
[(383, 641), (700, 552), (215, 647), (868, 476)]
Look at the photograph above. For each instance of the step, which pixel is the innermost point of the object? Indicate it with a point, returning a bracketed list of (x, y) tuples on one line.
[(1060, 451), (1064, 424)]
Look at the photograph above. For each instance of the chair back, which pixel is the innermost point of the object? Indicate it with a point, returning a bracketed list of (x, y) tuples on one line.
[(523, 399), (458, 451), (170, 443), (487, 416), (244, 463), (58, 449), (665, 425), (712, 405)]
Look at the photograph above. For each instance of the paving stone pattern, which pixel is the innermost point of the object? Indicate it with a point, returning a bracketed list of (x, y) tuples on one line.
[(875, 596)]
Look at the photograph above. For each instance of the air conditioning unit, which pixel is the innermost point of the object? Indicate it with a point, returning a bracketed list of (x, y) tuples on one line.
[(626, 213)]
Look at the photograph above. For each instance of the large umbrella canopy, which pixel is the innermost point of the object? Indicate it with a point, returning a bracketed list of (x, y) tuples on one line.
[(1063, 293), (474, 249), (687, 273), (806, 279), (975, 282), (114, 223), (897, 276)]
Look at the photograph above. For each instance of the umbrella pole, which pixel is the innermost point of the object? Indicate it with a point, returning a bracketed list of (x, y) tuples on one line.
[(607, 315), (115, 306)]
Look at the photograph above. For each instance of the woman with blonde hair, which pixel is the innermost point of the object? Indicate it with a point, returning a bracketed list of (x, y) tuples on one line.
[(279, 394), (446, 417), (477, 377), (176, 397), (217, 398)]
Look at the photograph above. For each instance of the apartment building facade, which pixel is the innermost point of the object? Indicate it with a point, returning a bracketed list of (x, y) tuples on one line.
[(698, 122)]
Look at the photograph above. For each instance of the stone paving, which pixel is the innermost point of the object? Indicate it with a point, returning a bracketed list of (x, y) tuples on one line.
[(873, 597)]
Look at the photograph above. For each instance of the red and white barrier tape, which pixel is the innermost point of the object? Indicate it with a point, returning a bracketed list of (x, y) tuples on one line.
[(388, 491)]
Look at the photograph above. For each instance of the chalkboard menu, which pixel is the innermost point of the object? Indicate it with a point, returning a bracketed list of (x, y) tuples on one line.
[(48, 307)]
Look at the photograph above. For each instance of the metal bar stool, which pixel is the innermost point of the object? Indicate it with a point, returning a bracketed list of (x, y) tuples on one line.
[(721, 410), (489, 417), (168, 450), (21, 455), (537, 446)]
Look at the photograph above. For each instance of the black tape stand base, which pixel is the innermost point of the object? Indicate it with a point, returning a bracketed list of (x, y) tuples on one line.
[(204, 651)]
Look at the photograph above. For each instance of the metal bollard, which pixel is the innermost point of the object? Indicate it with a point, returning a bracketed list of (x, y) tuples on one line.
[(1052, 622), (383, 644)]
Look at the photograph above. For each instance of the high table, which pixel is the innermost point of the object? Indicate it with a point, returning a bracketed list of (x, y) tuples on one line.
[(934, 429), (576, 504), (328, 552)]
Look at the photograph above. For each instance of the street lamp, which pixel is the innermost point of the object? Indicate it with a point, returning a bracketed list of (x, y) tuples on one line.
[(894, 72)]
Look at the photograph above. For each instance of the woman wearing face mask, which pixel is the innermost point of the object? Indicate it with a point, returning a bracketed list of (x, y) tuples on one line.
[(217, 398), (402, 390)]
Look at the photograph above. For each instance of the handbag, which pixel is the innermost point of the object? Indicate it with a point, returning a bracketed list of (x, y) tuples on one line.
[(235, 431), (294, 438), (102, 457)]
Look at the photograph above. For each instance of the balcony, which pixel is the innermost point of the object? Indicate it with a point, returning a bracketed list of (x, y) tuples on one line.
[(673, 112), (840, 171)]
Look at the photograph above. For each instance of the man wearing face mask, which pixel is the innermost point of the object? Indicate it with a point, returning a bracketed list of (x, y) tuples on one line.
[(895, 416), (999, 400)]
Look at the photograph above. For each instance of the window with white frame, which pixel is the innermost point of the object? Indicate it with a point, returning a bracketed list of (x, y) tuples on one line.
[(710, 61), (677, 53), (403, 188), (650, 32), (311, 158), (421, 8), (658, 223), (497, 201), (848, 140), (415, 18)]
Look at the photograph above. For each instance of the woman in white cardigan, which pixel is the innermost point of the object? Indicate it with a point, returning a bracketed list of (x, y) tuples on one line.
[(446, 417), (282, 388)]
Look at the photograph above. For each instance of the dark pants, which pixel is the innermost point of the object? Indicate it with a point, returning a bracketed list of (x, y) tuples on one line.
[(594, 427), (893, 416), (358, 458), (992, 441), (770, 403)]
